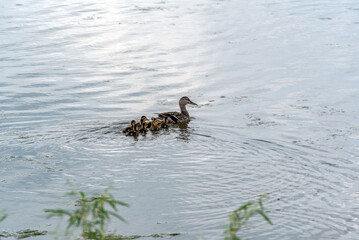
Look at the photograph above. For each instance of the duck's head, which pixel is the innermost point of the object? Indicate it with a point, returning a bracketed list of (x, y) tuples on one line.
[(133, 123), (185, 100), (143, 119)]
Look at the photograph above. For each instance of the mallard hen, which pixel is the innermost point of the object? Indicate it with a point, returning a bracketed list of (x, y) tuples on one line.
[(178, 117)]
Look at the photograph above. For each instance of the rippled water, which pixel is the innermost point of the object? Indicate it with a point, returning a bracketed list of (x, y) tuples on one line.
[(277, 88)]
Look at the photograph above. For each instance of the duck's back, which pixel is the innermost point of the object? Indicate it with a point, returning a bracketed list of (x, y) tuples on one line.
[(174, 117), (169, 114)]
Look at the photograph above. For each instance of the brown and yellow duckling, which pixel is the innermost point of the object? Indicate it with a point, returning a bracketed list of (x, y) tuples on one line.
[(130, 128), (143, 119), (134, 131), (148, 124), (140, 123), (155, 125), (143, 128), (165, 122)]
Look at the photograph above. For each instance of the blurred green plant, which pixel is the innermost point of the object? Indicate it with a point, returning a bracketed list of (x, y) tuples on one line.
[(241, 215), (3, 217), (91, 215)]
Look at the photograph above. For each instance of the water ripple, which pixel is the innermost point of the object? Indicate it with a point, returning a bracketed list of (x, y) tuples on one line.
[(76, 73)]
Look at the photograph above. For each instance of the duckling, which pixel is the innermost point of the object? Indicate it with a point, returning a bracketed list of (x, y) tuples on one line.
[(143, 119), (138, 126), (150, 124), (131, 127), (165, 122), (155, 125), (143, 128), (134, 131)]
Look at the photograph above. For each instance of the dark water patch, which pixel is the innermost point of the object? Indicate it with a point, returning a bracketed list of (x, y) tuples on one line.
[(325, 18), (38, 85), (162, 235), (256, 121), (21, 95), (28, 75), (22, 234)]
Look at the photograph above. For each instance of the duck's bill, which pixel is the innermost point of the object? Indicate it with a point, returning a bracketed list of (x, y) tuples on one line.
[(193, 103)]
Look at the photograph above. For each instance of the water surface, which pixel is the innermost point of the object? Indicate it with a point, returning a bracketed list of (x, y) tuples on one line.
[(277, 88)]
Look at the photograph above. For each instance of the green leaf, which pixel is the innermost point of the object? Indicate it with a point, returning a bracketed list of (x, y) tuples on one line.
[(117, 216), (244, 207), (56, 212), (70, 194), (264, 216), (121, 203), (113, 205), (82, 194), (3, 218)]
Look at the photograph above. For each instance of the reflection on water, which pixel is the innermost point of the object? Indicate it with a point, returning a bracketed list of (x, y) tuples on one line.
[(276, 84), (184, 132)]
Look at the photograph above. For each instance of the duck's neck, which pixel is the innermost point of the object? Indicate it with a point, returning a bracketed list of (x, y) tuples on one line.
[(184, 110)]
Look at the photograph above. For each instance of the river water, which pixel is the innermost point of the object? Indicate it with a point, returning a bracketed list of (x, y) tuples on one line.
[(277, 87)]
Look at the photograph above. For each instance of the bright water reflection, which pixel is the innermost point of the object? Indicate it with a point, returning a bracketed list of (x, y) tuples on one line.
[(277, 87)]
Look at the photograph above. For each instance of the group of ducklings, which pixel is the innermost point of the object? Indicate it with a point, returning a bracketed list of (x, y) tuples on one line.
[(143, 126), (161, 121)]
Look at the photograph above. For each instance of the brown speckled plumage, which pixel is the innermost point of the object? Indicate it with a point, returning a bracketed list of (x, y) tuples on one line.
[(178, 117)]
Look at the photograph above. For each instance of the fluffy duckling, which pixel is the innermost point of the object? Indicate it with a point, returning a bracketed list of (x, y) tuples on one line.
[(165, 122), (143, 128), (142, 120), (134, 131), (131, 127), (155, 125), (150, 123)]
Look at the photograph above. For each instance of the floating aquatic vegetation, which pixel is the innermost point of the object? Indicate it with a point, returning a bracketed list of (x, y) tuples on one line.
[(22, 234)]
